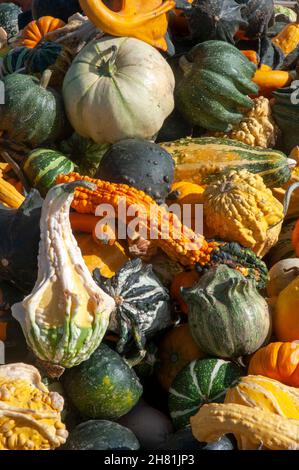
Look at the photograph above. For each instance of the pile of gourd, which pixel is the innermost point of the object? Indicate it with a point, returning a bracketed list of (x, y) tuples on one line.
[(116, 342)]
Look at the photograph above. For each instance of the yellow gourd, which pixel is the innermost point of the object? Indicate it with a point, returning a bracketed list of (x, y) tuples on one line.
[(286, 318), (288, 38)]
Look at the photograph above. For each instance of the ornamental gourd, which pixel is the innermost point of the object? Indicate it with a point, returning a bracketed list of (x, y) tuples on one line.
[(30, 417), (66, 316), (286, 318), (36, 117), (108, 100), (14, 60), (146, 21), (239, 207), (217, 79), (9, 13), (35, 31), (286, 114), (279, 361), (227, 316)]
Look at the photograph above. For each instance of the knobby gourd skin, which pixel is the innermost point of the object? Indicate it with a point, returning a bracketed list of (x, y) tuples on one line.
[(254, 429), (239, 207), (188, 249), (145, 20), (66, 316), (29, 414)]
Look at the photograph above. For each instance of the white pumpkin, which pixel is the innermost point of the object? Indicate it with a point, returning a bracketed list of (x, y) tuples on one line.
[(118, 88)]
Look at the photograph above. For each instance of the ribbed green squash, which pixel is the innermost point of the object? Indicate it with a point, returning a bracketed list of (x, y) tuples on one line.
[(103, 387), (215, 86), (42, 166), (286, 114), (32, 114), (42, 57), (15, 60), (101, 435), (227, 316), (202, 381), (201, 160), (9, 13)]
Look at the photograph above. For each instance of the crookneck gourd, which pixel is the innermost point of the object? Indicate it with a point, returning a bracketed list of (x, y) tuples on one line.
[(253, 428), (227, 316), (136, 18), (179, 243), (29, 414), (66, 316), (239, 207), (142, 304)]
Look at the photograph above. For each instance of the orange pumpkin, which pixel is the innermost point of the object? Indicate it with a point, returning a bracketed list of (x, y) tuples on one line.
[(35, 31), (279, 361), (184, 279), (175, 351)]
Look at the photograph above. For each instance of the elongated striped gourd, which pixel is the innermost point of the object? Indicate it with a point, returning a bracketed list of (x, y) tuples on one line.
[(201, 160), (202, 381)]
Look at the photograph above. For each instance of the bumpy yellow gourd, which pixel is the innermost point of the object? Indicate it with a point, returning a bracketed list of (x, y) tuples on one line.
[(266, 394), (239, 207), (253, 428), (29, 413)]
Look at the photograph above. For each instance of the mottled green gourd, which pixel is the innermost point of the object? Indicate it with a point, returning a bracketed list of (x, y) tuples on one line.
[(227, 316), (66, 315), (216, 84), (104, 387), (202, 381), (9, 13)]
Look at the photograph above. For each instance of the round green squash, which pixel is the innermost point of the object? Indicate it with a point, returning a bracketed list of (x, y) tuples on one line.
[(9, 13), (32, 114), (183, 439), (227, 316), (101, 435), (42, 167), (217, 79), (15, 60), (200, 382), (42, 57), (104, 386)]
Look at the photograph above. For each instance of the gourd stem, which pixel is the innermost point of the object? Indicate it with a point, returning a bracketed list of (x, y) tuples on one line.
[(45, 79), (291, 162), (107, 68), (288, 195)]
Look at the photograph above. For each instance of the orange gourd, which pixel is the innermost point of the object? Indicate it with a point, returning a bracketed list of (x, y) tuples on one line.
[(279, 361), (252, 56), (295, 238), (136, 18), (175, 351), (269, 80), (83, 222), (286, 318), (184, 279), (35, 31)]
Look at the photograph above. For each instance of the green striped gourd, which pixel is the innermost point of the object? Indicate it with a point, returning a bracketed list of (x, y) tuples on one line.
[(227, 316), (42, 166), (201, 160), (215, 87), (15, 60), (200, 382)]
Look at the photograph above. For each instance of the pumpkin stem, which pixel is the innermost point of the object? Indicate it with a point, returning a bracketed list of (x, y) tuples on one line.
[(45, 79), (288, 195), (108, 67)]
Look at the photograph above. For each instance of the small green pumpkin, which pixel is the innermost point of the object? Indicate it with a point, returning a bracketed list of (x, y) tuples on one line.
[(217, 80), (33, 114), (101, 435), (227, 316), (15, 60), (42, 166), (104, 386), (202, 381), (9, 13)]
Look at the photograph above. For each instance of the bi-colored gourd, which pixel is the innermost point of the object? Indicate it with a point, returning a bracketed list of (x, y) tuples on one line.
[(142, 20), (127, 101), (202, 381), (201, 160), (239, 207), (265, 394), (30, 415), (253, 428), (66, 316), (279, 361), (288, 38), (35, 31), (227, 316), (216, 83), (188, 249)]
